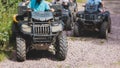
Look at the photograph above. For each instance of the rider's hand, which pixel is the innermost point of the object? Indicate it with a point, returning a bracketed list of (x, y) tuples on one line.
[(27, 1), (84, 5), (24, 3), (29, 10), (52, 9), (65, 3)]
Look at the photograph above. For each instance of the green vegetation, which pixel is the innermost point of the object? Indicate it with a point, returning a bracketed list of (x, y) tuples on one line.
[(8, 9), (2, 56), (81, 1)]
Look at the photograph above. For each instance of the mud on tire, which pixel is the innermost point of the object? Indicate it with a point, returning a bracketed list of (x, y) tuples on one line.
[(20, 49), (61, 46)]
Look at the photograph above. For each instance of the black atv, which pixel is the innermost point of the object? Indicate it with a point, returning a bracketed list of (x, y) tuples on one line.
[(67, 18), (69, 14), (40, 31), (93, 19), (73, 8)]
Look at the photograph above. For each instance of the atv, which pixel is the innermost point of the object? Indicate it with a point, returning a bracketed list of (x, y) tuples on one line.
[(69, 14), (93, 19), (67, 18), (73, 8), (40, 31)]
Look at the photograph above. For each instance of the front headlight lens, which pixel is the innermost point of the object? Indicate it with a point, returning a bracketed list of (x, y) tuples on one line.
[(56, 18), (57, 28), (55, 23), (25, 18), (99, 16), (81, 15), (26, 28)]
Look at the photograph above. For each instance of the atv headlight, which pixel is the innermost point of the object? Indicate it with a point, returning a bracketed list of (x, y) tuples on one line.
[(99, 17), (25, 18), (57, 28), (26, 28), (81, 16), (55, 23), (56, 18)]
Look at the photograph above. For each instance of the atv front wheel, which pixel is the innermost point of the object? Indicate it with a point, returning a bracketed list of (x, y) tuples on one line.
[(61, 46), (104, 30), (109, 21), (76, 30), (20, 49), (69, 24)]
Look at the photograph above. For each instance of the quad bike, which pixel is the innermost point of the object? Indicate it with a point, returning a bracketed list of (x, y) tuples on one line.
[(69, 14), (74, 9), (67, 18), (40, 31), (69, 11), (93, 19)]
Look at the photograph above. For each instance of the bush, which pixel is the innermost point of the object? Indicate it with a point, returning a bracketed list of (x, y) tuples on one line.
[(7, 11), (81, 1), (2, 56)]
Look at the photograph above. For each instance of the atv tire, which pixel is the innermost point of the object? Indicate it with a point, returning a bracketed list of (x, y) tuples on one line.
[(104, 30), (61, 46), (109, 21), (20, 49), (14, 31), (69, 24), (76, 32)]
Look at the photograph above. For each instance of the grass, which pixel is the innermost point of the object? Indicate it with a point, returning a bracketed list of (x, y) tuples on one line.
[(2, 56), (7, 11), (116, 63), (81, 1), (5, 54), (6, 51)]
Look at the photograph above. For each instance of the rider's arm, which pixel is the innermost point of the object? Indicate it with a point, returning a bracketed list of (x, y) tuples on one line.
[(29, 5), (101, 2), (47, 8)]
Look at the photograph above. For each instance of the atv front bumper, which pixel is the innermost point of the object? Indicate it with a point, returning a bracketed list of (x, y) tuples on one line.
[(39, 32)]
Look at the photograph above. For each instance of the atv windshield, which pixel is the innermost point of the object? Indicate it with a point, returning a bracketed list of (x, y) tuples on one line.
[(42, 16), (91, 8)]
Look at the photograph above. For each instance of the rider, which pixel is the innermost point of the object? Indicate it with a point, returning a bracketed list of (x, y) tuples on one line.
[(96, 2), (39, 5), (64, 3)]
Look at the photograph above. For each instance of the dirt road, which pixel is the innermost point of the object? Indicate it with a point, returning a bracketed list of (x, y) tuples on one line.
[(84, 52)]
